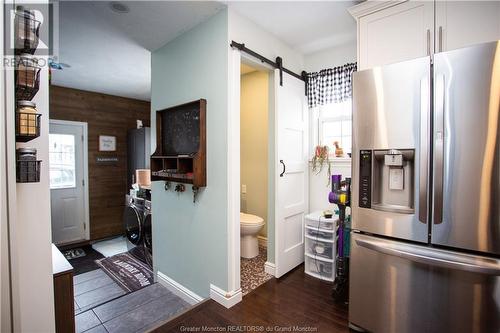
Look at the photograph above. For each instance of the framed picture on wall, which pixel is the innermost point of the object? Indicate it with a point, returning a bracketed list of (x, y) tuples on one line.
[(107, 143)]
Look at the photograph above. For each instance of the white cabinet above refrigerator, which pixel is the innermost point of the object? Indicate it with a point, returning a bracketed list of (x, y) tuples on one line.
[(394, 31)]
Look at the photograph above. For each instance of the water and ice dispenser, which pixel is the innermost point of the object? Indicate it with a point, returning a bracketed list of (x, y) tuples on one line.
[(386, 180)]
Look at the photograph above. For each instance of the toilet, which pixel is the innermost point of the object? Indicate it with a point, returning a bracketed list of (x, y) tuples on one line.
[(250, 226)]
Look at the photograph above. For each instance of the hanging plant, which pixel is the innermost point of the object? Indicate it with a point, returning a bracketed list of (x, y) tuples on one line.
[(319, 160)]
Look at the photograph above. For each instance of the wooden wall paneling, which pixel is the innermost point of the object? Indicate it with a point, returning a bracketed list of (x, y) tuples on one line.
[(105, 115)]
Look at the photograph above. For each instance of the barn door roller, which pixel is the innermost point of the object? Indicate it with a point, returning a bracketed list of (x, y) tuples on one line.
[(278, 63)]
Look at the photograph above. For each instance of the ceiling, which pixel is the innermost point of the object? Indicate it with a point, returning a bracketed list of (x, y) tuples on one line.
[(307, 26), (110, 52)]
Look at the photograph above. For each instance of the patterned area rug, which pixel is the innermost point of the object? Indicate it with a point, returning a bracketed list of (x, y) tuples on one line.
[(128, 271), (252, 272)]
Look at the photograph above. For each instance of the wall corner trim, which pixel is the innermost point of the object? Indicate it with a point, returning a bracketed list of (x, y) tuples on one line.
[(178, 289), (225, 298), (270, 268)]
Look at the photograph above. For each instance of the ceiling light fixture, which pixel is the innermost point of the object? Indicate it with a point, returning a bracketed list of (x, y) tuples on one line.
[(119, 7)]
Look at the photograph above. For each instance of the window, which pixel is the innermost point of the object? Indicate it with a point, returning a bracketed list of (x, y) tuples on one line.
[(334, 124), (62, 161)]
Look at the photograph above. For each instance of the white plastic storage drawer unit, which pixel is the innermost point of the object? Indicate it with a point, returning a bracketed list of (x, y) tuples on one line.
[(320, 246)]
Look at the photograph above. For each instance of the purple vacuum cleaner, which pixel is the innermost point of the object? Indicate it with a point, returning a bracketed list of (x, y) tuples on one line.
[(341, 196)]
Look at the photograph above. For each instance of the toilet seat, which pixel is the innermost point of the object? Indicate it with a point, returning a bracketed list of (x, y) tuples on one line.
[(249, 219)]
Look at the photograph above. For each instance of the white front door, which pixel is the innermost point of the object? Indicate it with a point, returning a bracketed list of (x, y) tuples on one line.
[(292, 172), (67, 176)]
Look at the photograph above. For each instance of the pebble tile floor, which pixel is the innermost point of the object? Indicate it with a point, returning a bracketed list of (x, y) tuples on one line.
[(252, 272)]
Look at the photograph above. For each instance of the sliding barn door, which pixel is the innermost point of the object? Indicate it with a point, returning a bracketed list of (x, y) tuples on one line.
[(292, 172)]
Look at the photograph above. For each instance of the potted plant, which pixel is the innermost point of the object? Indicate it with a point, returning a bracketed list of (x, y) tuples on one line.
[(319, 160)]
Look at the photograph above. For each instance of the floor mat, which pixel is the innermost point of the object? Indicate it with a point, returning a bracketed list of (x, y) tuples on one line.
[(86, 263), (252, 272), (74, 253), (128, 271), (110, 247)]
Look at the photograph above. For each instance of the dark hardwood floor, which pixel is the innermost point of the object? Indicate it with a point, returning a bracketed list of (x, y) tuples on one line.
[(293, 300)]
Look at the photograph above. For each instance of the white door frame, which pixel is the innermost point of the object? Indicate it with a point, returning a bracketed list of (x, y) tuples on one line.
[(5, 276), (233, 169), (85, 149)]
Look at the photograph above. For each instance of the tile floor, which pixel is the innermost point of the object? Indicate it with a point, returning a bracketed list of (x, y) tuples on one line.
[(252, 272), (102, 306), (94, 288)]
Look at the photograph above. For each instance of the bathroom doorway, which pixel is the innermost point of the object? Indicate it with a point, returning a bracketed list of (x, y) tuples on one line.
[(287, 182), (254, 174)]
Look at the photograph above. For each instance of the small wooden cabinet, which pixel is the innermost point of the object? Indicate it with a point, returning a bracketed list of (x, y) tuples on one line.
[(64, 303), (180, 154)]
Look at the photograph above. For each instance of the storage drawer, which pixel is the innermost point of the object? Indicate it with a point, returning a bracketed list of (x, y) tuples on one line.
[(322, 223), (320, 269), (392, 293), (319, 248), (317, 233)]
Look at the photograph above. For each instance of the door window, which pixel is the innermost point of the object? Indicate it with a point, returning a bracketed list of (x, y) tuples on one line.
[(62, 161)]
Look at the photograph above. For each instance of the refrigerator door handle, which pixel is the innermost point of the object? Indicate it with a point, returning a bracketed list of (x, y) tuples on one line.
[(433, 257), (424, 152), (439, 138)]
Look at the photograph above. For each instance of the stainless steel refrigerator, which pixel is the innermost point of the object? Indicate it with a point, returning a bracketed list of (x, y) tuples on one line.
[(425, 250)]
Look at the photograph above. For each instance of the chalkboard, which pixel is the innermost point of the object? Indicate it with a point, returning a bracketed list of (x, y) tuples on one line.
[(181, 130)]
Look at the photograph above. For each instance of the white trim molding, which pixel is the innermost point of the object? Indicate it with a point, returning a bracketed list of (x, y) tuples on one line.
[(233, 172), (178, 289), (368, 7), (225, 298), (270, 268)]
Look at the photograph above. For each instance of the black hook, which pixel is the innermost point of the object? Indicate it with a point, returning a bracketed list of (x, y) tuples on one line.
[(196, 190), (180, 188)]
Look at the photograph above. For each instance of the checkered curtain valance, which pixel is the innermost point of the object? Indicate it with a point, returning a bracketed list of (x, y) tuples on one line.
[(333, 85)]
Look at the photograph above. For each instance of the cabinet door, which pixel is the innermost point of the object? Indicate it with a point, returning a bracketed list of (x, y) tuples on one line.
[(401, 32), (464, 23)]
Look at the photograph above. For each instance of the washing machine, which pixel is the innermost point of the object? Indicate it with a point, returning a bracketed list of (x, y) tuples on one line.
[(147, 233), (137, 223)]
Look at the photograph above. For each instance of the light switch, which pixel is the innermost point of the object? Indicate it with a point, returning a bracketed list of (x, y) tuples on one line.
[(396, 178), (243, 189)]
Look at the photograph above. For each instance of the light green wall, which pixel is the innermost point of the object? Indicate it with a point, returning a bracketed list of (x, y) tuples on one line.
[(190, 239), (254, 104)]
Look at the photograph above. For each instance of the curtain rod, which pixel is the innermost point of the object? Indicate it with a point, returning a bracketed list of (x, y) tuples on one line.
[(276, 64)]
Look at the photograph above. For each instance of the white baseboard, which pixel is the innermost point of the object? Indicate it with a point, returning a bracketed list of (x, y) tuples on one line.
[(262, 241), (270, 268), (227, 299), (178, 289)]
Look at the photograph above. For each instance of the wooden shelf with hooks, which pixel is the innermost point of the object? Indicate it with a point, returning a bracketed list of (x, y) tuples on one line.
[(180, 154)]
